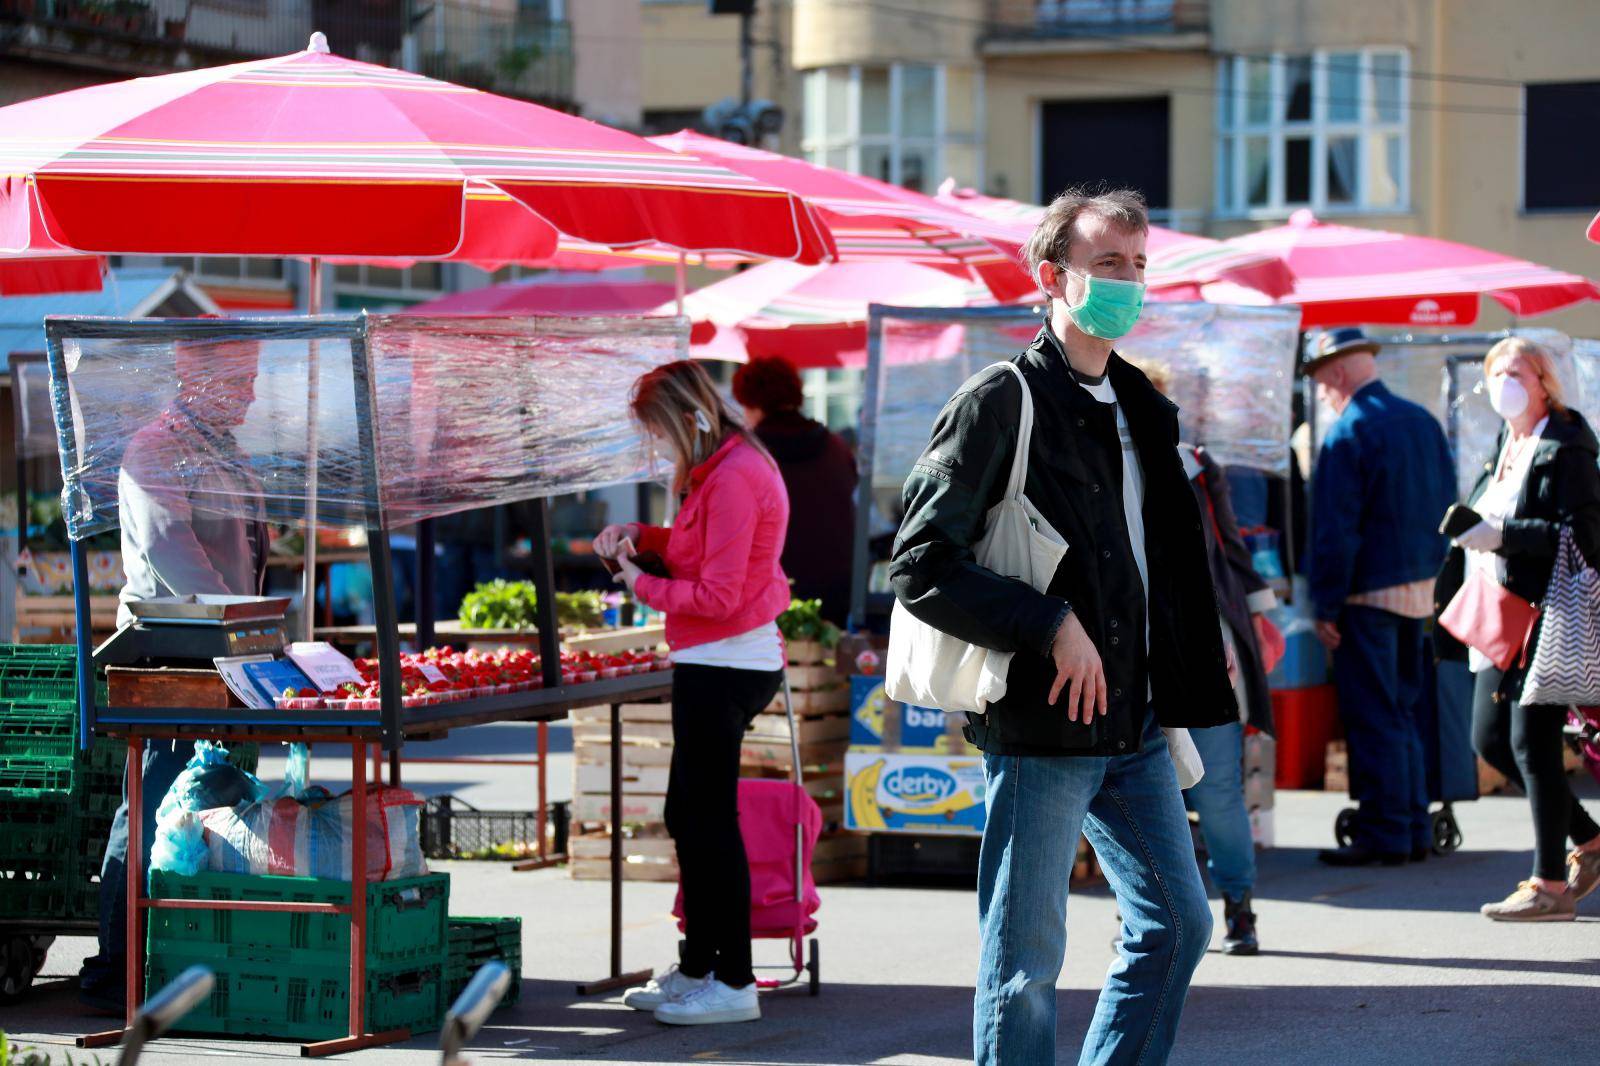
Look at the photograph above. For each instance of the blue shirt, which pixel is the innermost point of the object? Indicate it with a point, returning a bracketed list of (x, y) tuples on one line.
[(1384, 479)]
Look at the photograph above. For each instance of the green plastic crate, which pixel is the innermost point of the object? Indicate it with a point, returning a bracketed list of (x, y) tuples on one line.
[(35, 830), (405, 919), (39, 651), (35, 779), (475, 941), (35, 894), (39, 731), (304, 1002)]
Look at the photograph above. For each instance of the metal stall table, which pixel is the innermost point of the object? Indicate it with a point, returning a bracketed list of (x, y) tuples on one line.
[(388, 725)]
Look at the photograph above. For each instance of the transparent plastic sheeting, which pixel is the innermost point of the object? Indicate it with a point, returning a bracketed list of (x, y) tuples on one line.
[(1444, 373), (1231, 371), (36, 428), (254, 418)]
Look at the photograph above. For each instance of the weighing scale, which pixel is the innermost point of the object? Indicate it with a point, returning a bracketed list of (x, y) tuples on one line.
[(196, 628)]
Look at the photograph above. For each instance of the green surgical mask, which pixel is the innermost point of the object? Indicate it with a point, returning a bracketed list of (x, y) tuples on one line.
[(1109, 307)]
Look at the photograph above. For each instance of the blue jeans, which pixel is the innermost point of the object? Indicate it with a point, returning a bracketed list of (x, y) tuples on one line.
[(164, 760), (1132, 811), (1219, 800), (1381, 673)]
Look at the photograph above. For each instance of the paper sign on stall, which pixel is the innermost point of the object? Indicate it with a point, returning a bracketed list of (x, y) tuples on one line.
[(232, 669), (432, 672), (325, 665)]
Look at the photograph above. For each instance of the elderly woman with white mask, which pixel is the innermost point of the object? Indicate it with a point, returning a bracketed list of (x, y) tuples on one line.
[(1543, 477)]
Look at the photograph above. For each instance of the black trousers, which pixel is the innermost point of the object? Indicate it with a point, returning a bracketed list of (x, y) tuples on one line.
[(711, 708), (1524, 743)]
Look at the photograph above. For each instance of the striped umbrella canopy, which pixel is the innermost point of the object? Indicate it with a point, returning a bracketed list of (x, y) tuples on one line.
[(1180, 265), (313, 155), (1593, 233), (870, 221), (814, 316), (1345, 275)]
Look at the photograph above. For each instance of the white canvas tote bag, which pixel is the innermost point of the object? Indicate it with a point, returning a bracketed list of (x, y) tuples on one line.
[(929, 668)]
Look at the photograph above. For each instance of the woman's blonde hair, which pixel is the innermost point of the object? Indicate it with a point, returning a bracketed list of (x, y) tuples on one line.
[(679, 403), (1539, 357)]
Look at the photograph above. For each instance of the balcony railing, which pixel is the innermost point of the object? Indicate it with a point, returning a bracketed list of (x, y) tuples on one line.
[(485, 45), (1096, 18)]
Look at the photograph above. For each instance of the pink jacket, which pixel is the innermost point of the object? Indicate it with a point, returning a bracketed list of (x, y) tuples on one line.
[(722, 551)]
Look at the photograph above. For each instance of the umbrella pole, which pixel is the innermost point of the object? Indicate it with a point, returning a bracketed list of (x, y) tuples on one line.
[(678, 278), (313, 306)]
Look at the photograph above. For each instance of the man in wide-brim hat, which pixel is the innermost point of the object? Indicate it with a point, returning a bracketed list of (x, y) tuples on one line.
[(1383, 479)]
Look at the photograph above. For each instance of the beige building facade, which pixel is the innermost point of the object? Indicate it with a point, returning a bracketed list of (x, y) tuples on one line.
[(1439, 117)]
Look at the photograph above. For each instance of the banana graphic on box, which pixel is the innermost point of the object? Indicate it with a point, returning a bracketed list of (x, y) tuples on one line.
[(870, 713), (864, 797)]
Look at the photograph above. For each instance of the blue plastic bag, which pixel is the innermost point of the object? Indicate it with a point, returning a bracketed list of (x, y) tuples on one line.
[(208, 781)]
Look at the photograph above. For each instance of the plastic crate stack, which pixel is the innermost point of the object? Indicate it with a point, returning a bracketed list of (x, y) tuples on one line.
[(287, 975), (56, 800), (475, 941)]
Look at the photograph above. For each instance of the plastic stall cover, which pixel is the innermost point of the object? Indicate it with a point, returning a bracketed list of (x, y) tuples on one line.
[(253, 418)]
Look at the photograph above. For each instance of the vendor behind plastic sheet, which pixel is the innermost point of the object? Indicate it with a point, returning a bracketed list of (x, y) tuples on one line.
[(190, 507), (192, 517)]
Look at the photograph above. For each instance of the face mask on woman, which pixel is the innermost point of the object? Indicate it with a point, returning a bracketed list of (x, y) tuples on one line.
[(1508, 397)]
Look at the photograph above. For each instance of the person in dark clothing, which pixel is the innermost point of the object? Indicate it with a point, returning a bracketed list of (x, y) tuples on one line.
[(1543, 477), (819, 470), (1383, 478), (1124, 640)]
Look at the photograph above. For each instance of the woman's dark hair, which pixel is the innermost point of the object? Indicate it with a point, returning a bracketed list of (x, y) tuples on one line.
[(768, 385)]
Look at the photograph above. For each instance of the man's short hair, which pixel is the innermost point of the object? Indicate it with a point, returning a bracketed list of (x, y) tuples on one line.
[(768, 384), (1052, 238)]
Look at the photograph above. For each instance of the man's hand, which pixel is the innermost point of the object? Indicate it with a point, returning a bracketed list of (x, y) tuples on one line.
[(1328, 633), (1079, 670), (608, 544)]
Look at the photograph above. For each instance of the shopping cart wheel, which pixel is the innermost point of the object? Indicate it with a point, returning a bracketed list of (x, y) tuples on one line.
[(17, 967), (814, 968), (1446, 832), (1344, 827)]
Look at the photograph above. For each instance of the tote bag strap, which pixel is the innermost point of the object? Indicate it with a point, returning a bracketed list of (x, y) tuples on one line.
[(1019, 460)]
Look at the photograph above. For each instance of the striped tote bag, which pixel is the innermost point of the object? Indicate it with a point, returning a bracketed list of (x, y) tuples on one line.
[(1566, 664)]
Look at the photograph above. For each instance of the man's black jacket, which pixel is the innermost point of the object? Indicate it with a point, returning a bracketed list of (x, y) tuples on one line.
[(1074, 479)]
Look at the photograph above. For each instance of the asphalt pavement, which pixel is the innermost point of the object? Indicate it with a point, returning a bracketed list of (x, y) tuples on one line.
[(1359, 966)]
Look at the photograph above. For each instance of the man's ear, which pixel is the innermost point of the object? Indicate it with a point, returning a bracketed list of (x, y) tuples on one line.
[(1048, 277)]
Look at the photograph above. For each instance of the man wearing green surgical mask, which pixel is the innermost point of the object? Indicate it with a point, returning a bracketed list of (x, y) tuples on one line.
[(1124, 641)]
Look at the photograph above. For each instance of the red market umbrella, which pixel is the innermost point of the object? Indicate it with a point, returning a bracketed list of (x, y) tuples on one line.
[(552, 298), (1345, 275), (814, 316), (870, 221), (314, 155), (1180, 264), (1594, 229)]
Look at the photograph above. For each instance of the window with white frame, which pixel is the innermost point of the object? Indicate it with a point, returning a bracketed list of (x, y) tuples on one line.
[(833, 397), (889, 122), (1329, 131), (230, 268), (359, 284)]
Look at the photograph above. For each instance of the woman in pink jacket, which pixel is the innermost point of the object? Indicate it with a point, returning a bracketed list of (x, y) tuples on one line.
[(721, 602)]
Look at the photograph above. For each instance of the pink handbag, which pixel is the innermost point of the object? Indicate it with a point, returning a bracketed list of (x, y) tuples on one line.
[(1490, 618)]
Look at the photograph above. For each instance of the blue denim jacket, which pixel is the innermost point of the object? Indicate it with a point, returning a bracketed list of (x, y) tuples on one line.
[(1384, 479)]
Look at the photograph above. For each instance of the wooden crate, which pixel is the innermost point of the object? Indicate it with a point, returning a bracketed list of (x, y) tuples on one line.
[(812, 702), (1490, 780), (820, 729), (813, 676), (807, 653), (1336, 771), (761, 753), (646, 857), (639, 810)]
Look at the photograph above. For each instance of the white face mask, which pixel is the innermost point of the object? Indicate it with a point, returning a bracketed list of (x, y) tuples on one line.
[(1508, 397)]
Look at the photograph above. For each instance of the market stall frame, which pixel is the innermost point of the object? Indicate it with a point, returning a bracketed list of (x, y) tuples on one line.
[(386, 727)]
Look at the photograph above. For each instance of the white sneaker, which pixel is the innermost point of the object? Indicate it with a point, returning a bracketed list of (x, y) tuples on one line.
[(712, 1004), (664, 987)]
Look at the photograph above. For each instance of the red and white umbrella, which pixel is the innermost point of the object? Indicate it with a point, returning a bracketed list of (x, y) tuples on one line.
[(1594, 229), (1345, 276), (314, 155), (586, 297), (1180, 265), (870, 221), (814, 316)]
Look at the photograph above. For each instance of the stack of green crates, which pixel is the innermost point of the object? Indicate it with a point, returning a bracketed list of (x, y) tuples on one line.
[(475, 941), (56, 800), (287, 975)]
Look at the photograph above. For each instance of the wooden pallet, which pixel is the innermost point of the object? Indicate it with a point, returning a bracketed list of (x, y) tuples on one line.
[(766, 754)]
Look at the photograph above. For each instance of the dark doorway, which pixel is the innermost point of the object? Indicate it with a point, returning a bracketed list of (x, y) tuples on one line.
[(1121, 143)]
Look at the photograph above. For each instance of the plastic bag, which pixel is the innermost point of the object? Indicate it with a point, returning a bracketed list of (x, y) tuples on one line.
[(208, 781), (310, 836)]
